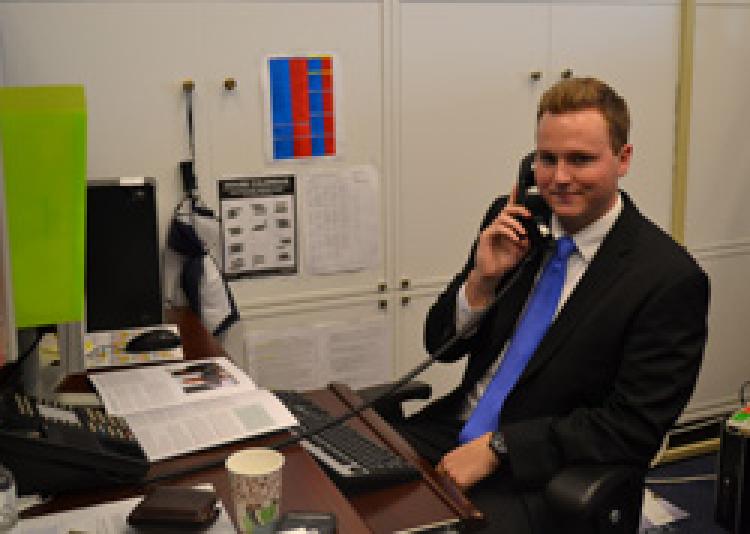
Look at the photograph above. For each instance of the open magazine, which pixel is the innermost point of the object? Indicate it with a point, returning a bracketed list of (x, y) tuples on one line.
[(183, 407)]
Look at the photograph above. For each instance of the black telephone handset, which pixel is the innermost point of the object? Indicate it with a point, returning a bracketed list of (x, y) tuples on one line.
[(528, 195)]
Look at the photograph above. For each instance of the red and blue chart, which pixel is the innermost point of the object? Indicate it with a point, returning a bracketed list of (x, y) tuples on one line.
[(303, 122)]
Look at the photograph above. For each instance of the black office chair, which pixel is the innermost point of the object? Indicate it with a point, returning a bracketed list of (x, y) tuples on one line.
[(586, 499)]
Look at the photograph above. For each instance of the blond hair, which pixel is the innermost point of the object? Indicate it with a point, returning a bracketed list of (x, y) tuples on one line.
[(576, 94)]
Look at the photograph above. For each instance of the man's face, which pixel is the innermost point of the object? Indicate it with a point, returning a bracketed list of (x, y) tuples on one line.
[(576, 170)]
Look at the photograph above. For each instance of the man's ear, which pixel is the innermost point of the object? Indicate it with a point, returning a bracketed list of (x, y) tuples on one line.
[(623, 164)]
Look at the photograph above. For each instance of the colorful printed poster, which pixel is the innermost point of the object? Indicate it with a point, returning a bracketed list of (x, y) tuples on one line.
[(302, 118)]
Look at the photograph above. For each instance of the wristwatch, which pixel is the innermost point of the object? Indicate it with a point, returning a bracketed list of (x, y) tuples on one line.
[(498, 446)]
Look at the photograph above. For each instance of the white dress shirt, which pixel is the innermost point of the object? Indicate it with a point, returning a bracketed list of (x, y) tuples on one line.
[(587, 243)]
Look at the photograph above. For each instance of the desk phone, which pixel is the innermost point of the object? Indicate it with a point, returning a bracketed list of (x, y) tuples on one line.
[(51, 447)]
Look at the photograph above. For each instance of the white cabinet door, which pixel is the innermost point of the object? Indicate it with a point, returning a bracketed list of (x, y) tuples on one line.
[(467, 117), (235, 122), (717, 225), (719, 164), (633, 47), (305, 346), (468, 109), (409, 330)]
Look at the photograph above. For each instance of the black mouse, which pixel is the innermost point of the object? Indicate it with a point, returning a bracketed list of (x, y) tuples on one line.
[(158, 339)]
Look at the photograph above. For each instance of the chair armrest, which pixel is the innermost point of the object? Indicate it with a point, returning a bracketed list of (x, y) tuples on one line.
[(597, 498), (390, 406)]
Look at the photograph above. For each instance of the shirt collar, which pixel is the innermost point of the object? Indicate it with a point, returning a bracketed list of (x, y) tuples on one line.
[(589, 239)]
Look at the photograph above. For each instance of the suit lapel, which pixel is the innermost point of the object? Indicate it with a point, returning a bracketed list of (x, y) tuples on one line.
[(612, 258)]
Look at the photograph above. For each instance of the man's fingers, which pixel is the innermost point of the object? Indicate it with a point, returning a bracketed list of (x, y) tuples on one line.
[(505, 225), (501, 245), (516, 210)]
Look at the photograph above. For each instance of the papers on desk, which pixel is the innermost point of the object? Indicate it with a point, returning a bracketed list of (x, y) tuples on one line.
[(183, 407), (657, 513), (107, 518)]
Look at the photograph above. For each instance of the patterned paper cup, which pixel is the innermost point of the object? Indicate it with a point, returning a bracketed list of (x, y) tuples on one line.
[(255, 483)]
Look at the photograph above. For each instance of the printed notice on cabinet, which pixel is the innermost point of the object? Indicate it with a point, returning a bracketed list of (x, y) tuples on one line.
[(259, 227), (303, 358)]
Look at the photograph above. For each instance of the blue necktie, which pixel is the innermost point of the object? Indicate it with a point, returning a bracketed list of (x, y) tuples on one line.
[(534, 323)]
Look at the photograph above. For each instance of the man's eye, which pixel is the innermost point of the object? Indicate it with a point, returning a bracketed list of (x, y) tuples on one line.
[(547, 159), (580, 159)]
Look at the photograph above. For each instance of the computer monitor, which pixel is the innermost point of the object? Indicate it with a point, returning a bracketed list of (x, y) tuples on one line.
[(123, 274)]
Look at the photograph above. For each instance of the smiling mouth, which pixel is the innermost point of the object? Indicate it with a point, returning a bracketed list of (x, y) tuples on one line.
[(564, 194)]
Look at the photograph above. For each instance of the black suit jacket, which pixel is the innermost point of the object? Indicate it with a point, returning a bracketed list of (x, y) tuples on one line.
[(615, 368)]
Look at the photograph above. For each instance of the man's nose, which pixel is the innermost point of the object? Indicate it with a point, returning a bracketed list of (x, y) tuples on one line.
[(561, 172)]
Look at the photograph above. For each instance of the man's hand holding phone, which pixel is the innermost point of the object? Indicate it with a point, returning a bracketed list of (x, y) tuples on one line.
[(502, 245)]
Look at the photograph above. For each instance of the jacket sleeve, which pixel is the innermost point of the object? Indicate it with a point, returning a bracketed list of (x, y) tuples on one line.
[(661, 357), (440, 325)]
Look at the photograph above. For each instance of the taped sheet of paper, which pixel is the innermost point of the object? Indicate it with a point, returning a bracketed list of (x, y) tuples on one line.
[(259, 225), (341, 220), (357, 354)]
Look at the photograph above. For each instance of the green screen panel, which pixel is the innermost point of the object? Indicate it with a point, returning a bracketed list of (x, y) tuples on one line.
[(43, 136)]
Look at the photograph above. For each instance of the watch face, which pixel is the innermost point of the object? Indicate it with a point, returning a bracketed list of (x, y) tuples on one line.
[(498, 444)]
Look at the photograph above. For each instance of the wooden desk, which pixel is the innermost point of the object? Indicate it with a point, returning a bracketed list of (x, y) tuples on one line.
[(397, 507)]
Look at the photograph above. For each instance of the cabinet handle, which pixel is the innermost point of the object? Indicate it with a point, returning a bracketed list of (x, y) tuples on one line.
[(188, 86), (405, 301), (230, 84), (535, 75), (567, 73), (382, 304)]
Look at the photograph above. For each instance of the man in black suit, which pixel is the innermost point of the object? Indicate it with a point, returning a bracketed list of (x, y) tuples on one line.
[(620, 358)]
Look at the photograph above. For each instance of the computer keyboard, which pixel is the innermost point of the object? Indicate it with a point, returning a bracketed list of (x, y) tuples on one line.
[(350, 459)]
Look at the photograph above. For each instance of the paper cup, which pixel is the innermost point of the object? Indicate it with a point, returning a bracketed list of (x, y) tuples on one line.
[(255, 485)]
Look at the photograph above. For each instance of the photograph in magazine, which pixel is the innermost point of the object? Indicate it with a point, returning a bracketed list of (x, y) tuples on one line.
[(203, 377)]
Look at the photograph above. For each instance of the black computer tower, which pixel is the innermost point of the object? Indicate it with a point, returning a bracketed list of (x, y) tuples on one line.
[(732, 510)]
